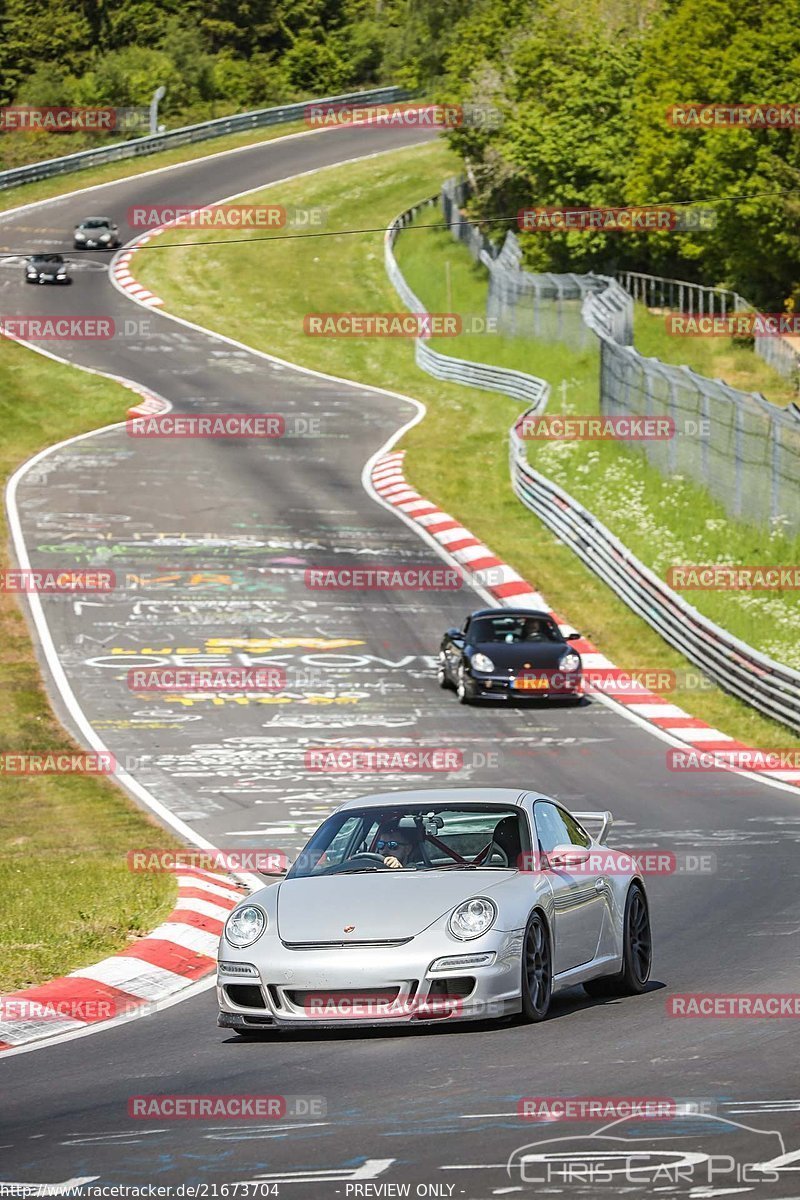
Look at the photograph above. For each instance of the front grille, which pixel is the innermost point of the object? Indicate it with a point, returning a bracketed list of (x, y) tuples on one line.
[(246, 995), (326, 997)]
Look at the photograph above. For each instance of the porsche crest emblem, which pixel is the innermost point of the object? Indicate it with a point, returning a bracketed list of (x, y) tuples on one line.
[(349, 928)]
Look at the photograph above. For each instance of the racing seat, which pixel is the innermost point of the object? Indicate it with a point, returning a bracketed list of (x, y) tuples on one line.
[(506, 841)]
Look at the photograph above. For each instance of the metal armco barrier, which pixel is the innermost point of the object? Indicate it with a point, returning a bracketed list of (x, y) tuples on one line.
[(766, 685), (759, 681), (187, 134), (516, 384)]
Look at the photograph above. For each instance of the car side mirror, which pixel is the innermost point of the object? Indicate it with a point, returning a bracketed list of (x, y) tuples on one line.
[(574, 636), (273, 874), (455, 635), (567, 857)]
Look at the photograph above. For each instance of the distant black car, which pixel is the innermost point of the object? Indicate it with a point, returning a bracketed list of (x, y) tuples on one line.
[(507, 653), (96, 233), (47, 268)]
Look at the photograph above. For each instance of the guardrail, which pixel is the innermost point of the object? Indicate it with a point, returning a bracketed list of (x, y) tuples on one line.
[(759, 681), (767, 685), (187, 134), (516, 384)]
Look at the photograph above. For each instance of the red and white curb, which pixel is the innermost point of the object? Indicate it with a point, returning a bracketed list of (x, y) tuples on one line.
[(120, 269), (149, 405), (175, 955), (509, 588)]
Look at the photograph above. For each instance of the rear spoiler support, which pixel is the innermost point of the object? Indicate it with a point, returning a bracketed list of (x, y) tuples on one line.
[(606, 819)]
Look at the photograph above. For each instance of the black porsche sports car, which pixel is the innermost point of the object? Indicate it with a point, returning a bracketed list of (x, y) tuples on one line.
[(47, 268), (96, 233), (508, 653)]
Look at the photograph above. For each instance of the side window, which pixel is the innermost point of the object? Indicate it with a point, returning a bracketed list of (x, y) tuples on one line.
[(465, 626), (550, 827)]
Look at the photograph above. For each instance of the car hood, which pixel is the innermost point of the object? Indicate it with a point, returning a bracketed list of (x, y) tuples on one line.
[(510, 656), (381, 905), (46, 268)]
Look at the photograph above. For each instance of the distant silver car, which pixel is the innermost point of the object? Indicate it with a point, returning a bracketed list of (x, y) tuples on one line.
[(438, 905), (96, 233)]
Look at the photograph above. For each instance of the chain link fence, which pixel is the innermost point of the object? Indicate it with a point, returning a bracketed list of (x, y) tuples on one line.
[(743, 449)]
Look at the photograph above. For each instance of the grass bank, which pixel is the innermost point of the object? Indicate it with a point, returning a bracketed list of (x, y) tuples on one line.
[(68, 897)]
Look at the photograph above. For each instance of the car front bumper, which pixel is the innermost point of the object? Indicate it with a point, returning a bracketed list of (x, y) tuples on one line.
[(502, 687), (376, 985)]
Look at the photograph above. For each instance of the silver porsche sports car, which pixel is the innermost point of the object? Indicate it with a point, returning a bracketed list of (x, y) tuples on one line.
[(440, 905)]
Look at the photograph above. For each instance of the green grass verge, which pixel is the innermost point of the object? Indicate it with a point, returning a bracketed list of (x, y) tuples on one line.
[(714, 357), (259, 294), (68, 897)]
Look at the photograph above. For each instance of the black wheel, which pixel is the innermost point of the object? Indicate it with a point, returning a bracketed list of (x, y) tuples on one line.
[(441, 674), (462, 687), (537, 969), (637, 951)]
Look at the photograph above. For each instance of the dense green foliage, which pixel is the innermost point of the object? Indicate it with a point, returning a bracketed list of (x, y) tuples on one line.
[(584, 89), (581, 88)]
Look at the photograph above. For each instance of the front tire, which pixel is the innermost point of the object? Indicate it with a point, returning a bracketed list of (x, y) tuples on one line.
[(537, 969), (462, 687), (441, 674), (637, 951)]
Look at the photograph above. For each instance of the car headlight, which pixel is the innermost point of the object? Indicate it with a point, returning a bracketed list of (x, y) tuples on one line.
[(80, 237), (569, 661), (472, 918), (105, 237), (482, 662), (245, 925)]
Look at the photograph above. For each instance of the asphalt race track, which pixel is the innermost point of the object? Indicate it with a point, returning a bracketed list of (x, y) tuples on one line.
[(428, 1107)]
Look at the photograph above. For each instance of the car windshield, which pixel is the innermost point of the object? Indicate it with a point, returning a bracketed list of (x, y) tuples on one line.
[(95, 223), (428, 838), (514, 629), (46, 258)]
